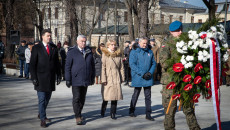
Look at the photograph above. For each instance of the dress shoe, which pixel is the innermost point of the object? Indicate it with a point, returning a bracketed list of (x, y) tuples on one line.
[(132, 115), (113, 116), (126, 83), (79, 121), (43, 124), (20, 76), (149, 118), (46, 119)]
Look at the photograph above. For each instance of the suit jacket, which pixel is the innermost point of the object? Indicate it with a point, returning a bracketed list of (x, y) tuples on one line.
[(44, 67), (79, 68)]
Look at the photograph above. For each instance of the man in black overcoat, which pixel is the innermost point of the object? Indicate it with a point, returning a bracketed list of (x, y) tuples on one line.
[(79, 73), (45, 70)]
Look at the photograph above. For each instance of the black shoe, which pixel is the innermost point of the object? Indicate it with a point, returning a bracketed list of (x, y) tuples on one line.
[(149, 118), (46, 119), (43, 124), (27, 77), (126, 83), (132, 115), (20, 76), (79, 121), (113, 116)]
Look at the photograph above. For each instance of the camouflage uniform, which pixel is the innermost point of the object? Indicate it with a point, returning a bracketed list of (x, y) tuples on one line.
[(166, 52)]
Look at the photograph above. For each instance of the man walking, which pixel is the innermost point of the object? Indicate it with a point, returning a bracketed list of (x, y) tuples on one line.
[(142, 66), (22, 60), (45, 70), (79, 73), (2, 51), (126, 62), (168, 52)]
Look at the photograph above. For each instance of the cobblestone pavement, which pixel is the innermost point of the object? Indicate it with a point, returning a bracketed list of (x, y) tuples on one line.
[(19, 109)]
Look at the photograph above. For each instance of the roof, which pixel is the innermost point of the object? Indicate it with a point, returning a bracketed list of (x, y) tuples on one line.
[(221, 1), (177, 4), (156, 29)]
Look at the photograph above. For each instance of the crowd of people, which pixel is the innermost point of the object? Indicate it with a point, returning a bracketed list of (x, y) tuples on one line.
[(142, 62)]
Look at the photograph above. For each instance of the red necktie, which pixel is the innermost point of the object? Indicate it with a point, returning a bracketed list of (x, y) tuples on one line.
[(47, 49)]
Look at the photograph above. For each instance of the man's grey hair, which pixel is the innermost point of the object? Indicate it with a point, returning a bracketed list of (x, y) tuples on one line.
[(81, 36), (143, 38)]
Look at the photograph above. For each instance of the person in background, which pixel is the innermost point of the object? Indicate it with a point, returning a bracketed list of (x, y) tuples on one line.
[(126, 62), (2, 51), (112, 75), (22, 60), (27, 56), (63, 53), (167, 51), (79, 73), (45, 71), (142, 64), (97, 59), (155, 49), (36, 42)]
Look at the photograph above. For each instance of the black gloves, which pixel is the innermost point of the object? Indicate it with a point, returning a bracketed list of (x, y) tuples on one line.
[(58, 80), (147, 76), (35, 82), (68, 84)]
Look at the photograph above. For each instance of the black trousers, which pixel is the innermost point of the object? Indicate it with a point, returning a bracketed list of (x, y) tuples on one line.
[(147, 92), (127, 72), (79, 94), (113, 109)]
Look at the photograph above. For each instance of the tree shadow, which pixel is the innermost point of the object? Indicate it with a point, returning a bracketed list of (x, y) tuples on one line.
[(224, 126)]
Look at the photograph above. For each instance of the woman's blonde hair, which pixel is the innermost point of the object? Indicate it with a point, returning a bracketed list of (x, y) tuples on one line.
[(109, 42)]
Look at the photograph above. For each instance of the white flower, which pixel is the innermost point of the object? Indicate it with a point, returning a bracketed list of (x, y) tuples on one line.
[(185, 48), (209, 35), (181, 51), (182, 60), (189, 58), (180, 44), (205, 53), (217, 49), (225, 45), (205, 59), (194, 47), (226, 55), (193, 35), (213, 29), (188, 65), (190, 43)]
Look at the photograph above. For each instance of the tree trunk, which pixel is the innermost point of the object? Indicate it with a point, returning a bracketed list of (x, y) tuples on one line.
[(211, 8), (136, 19), (83, 19), (107, 21), (143, 18), (129, 7)]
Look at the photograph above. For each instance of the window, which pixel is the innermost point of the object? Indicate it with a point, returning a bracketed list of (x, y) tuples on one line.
[(125, 16), (49, 13), (181, 18), (225, 7), (56, 13), (199, 20), (170, 18), (162, 18), (56, 32), (153, 18), (216, 7), (102, 15), (192, 19)]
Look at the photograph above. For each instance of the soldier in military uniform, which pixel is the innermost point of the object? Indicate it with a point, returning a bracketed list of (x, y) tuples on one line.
[(168, 51)]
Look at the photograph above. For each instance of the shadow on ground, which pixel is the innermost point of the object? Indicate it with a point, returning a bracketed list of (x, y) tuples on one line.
[(224, 126)]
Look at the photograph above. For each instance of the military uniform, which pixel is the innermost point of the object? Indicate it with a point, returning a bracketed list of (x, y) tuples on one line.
[(1, 55), (167, 51)]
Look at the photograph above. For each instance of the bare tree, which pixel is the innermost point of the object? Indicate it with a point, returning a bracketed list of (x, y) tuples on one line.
[(144, 4), (211, 8), (129, 6), (71, 10), (136, 18), (107, 21)]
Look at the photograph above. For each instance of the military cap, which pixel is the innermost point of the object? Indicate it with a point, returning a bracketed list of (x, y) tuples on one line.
[(30, 43), (23, 41), (175, 26)]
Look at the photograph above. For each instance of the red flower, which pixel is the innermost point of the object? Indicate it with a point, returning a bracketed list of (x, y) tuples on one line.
[(203, 36), (171, 85), (195, 97), (208, 83), (198, 67), (188, 87), (197, 80), (176, 96), (187, 78), (178, 67)]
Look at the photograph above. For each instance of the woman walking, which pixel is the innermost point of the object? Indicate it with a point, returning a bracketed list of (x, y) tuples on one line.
[(112, 75)]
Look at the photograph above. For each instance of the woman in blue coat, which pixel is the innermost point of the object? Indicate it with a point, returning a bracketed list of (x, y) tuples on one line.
[(142, 64)]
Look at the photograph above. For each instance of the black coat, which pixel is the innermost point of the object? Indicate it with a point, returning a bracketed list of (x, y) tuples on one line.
[(97, 61), (21, 52), (44, 67), (79, 69)]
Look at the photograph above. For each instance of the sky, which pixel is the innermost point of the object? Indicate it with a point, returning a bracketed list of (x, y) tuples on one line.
[(199, 3)]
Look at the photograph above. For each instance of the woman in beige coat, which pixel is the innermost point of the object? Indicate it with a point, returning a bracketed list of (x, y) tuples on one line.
[(112, 75)]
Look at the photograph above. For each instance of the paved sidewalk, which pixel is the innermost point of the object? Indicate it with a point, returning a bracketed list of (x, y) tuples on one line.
[(18, 109)]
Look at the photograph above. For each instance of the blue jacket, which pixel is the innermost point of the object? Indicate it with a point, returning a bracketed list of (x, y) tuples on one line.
[(79, 68), (141, 61)]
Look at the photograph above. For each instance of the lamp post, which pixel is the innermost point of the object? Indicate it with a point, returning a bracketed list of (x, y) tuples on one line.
[(118, 20), (185, 2)]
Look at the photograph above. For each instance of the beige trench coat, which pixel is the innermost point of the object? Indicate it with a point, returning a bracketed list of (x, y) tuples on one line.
[(113, 74)]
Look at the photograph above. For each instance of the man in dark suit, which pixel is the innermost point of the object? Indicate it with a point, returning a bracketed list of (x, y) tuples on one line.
[(45, 70), (80, 73)]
